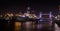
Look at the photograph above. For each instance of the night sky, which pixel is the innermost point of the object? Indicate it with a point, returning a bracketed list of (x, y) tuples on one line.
[(21, 5)]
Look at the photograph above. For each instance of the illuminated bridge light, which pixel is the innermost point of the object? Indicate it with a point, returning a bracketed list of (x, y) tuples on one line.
[(40, 15), (50, 14)]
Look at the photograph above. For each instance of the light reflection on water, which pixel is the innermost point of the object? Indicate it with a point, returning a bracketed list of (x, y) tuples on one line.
[(17, 26), (29, 26)]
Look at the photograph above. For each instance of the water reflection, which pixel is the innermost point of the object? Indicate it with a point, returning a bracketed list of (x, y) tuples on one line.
[(31, 26), (17, 26)]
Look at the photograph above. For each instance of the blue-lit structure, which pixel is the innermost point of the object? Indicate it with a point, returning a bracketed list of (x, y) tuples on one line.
[(45, 21)]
